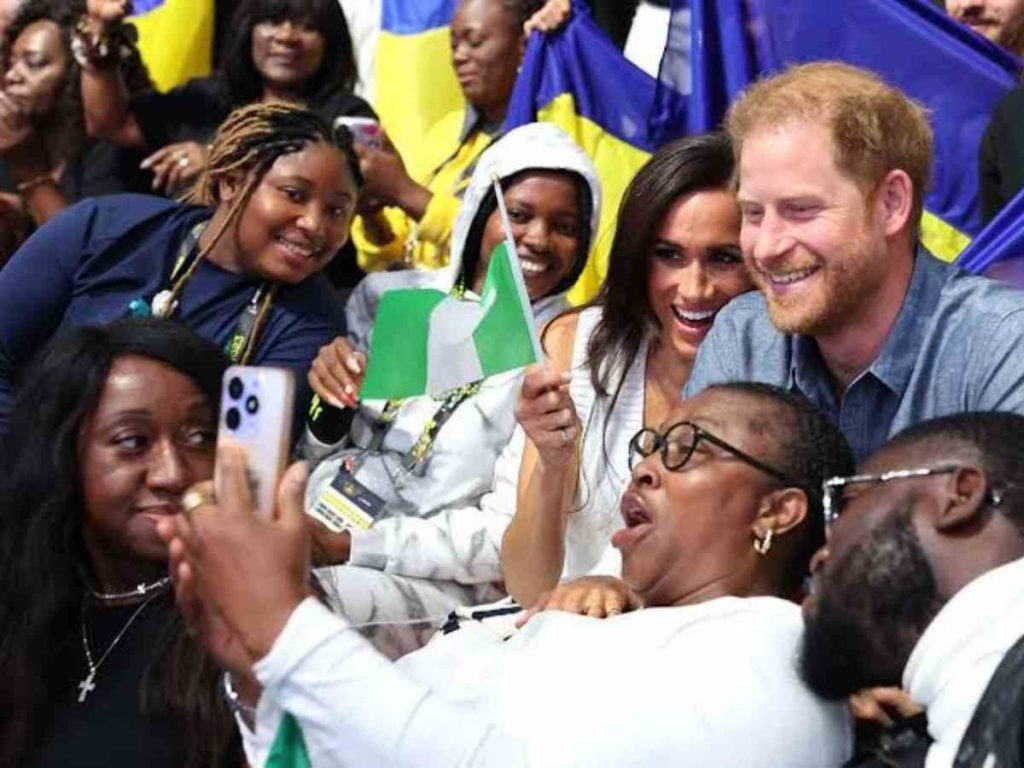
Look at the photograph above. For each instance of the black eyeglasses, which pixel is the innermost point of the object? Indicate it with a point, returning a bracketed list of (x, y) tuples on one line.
[(678, 443), (833, 488)]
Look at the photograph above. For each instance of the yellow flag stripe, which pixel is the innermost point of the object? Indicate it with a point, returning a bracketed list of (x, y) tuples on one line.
[(941, 238), (617, 163), (176, 41)]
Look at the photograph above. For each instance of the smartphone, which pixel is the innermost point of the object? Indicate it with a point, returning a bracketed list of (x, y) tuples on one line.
[(256, 407), (364, 130)]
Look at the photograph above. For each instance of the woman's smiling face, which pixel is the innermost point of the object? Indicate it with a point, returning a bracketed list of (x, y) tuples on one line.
[(298, 217)]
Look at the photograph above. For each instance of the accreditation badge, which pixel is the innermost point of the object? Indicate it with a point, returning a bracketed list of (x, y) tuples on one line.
[(347, 504)]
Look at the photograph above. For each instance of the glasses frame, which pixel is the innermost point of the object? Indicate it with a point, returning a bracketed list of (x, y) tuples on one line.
[(661, 447), (831, 489)]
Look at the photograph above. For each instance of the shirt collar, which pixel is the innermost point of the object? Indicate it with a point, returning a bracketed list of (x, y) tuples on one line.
[(895, 363)]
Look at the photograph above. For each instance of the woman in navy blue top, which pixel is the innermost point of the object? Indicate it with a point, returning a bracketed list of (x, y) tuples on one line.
[(242, 268)]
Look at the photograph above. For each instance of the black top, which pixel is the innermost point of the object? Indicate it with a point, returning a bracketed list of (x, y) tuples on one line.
[(109, 729), (193, 111), (1002, 155), (102, 169)]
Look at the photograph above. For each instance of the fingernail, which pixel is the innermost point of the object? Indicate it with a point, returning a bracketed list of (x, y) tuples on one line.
[(352, 363), (333, 401), (348, 389)]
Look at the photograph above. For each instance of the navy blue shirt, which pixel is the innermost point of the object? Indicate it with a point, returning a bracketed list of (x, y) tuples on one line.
[(957, 345), (87, 264)]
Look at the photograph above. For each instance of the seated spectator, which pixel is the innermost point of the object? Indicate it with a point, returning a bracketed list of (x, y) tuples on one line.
[(1001, 174), (921, 584), (415, 227), (109, 430), (621, 362), (433, 460), (1002, 146), (241, 268), (296, 51), (46, 162), (1001, 21), (852, 311), (710, 678)]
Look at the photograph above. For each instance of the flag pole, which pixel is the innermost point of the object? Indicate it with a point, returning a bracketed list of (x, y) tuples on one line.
[(517, 272)]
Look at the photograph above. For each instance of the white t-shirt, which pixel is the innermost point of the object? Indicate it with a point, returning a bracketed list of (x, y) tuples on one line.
[(713, 684)]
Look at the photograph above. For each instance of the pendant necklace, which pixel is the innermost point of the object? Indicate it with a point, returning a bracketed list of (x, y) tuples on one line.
[(87, 684)]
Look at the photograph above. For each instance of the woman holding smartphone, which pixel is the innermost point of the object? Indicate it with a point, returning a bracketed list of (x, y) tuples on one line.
[(110, 427), (242, 267)]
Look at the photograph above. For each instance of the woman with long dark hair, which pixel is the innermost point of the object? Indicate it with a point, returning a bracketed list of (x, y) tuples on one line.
[(621, 362), (278, 50), (110, 427), (46, 160), (243, 268)]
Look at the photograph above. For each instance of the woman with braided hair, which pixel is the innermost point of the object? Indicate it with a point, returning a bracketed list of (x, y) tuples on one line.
[(240, 263)]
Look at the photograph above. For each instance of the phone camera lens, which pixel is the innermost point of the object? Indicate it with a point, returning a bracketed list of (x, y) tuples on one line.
[(235, 388), (252, 404), (232, 418)]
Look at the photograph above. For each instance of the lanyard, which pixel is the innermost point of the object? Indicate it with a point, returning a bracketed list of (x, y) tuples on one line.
[(416, 459), (242, 342)]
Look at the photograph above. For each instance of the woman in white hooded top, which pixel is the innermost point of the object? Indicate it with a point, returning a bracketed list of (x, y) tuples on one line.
[(435, 462)]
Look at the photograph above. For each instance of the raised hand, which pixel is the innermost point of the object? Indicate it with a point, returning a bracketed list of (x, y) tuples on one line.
[(546, 413), (176, 166), (109, 11), (337, 373)]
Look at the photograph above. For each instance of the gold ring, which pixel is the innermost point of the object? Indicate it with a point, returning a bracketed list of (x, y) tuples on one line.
[(193, 499)]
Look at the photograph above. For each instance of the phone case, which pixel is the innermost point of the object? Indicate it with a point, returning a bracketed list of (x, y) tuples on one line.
[(364, 130), (256, 410)]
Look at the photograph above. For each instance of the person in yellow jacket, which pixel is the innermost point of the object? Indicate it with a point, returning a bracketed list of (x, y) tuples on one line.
[(409, 212)]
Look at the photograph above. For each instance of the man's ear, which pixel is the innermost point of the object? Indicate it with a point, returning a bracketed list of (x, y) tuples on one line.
[(895, 199), (781, 511), (966, 497)]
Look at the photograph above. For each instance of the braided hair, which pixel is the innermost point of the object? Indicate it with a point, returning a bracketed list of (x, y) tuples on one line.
[(806, 447), (249, 141)]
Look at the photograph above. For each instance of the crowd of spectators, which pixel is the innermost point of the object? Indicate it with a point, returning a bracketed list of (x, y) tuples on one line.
[(759, 504)]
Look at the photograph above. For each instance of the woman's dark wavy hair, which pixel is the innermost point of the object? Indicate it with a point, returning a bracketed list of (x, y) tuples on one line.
[(338, 71), (43, 555), (682, 167), (70, 138)]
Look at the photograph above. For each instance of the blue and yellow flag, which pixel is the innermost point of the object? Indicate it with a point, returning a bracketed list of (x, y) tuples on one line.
[(577, 79), (1001, 241), (414, 81), (958, 75), (175, 39)]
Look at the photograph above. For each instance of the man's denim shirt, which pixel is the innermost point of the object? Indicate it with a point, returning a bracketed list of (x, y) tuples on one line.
[(957, 345)]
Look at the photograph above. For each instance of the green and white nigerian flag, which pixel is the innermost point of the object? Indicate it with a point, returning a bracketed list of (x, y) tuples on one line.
[(427, 342)]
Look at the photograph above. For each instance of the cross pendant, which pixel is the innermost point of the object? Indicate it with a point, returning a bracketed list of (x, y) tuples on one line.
[(86, 686)]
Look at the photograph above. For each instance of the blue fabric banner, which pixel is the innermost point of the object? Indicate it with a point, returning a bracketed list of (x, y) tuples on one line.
[(958, 75)]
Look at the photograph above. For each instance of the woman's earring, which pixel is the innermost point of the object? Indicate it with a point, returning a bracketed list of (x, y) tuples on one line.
[(761, 546)]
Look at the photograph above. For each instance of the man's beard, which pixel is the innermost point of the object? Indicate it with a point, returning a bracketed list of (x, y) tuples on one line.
[(870, 613)]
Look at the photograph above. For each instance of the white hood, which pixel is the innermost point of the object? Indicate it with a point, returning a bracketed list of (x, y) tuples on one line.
[(541, 146)]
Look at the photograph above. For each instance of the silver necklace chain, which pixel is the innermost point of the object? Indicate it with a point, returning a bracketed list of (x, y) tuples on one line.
[(140, 591), (87, 684)]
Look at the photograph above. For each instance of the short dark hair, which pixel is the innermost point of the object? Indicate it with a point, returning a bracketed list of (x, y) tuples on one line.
[(522, 10), (809, 448), (42, 552), (997, 438), (337, 73)]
